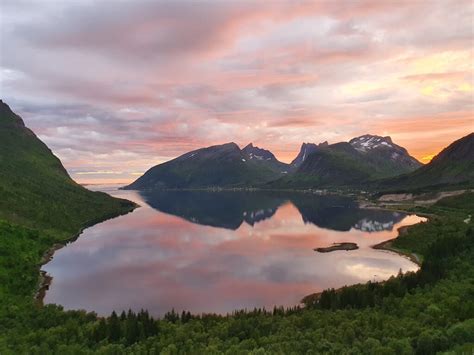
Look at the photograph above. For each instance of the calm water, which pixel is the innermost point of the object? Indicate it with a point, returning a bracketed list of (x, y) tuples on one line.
[(222, 251)]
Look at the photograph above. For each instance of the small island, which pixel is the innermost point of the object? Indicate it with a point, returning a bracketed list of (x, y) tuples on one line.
[(338, 246)]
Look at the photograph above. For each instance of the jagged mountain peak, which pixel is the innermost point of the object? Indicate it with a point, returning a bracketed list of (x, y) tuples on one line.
[(254, 147), (253, 152), (305, 150)]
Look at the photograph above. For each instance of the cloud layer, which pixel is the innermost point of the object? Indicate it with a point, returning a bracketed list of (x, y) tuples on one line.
[(114, 88)]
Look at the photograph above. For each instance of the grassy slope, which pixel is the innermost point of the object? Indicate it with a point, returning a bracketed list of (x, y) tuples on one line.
[(327, 167), (429, 180)]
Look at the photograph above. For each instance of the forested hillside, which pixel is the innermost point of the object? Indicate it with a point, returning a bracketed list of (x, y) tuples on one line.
[(424, 313), (40, 207)]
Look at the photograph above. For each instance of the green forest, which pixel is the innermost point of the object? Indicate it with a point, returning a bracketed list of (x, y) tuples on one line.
[(425, 312)]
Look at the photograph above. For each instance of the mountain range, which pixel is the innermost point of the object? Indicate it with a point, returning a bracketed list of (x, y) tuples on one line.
[(30, 172), (354, 163), (364, 161)]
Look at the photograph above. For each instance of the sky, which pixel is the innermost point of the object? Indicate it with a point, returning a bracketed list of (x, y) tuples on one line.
[(115, 87)]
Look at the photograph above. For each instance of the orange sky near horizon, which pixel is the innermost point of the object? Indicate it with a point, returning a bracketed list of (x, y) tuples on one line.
[(284, 156)]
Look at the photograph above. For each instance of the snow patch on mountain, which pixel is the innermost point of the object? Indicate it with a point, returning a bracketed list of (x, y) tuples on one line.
[(383, 146), (259, 157), (369, 142)]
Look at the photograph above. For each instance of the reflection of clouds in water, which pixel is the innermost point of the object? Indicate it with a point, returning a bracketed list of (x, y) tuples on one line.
[(365, 271), (148, 259)]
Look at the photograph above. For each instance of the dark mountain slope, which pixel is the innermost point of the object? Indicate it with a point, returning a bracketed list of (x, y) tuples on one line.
[(305, 150), (216, 166), (337, 164), (454, 165), (389, 158), (35, 188)]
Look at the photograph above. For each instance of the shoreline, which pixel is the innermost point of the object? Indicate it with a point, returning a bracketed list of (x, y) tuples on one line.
[(45, 280), (322, 191), (385, 245)]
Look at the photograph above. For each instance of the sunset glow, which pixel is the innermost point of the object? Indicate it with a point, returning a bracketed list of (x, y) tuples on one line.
[(116, 89)]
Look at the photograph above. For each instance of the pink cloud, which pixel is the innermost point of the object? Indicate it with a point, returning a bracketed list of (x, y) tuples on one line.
[(143, 82)]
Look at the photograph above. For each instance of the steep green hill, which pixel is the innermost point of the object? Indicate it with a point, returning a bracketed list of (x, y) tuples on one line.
[(40, 205), (453, 166), (36, 190)]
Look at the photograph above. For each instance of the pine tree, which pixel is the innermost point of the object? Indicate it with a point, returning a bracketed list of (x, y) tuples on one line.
[(100, 331), (114, 333)]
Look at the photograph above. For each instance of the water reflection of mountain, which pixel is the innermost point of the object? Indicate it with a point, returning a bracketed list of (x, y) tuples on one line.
[(229, 209), (223, 209), (331, 212), (342, 213), (379, 221)]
